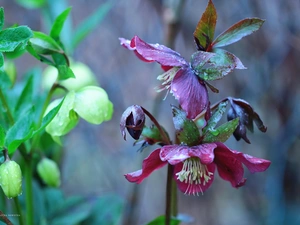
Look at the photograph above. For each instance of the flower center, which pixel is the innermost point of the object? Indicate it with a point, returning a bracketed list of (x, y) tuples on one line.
[(167, 78), (193, 173)]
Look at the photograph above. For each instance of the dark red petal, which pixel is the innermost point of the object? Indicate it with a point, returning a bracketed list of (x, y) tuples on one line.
[(229, 167), (151, 163), (192, 189), (155, 52), (190, 92)]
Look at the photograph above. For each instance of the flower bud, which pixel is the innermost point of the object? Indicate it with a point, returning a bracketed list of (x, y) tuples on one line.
[(11, 179), (49, 172), (133, 119), (243, 110)]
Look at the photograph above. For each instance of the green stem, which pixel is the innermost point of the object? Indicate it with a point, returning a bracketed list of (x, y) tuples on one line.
[(6, 107), (171, 204), (19, 211), (2, 201), (28, 193)]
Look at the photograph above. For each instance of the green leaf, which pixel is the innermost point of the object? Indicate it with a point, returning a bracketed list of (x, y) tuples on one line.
[(25, 98), (215, 118), (90, 23), (186, 130), (11, 38), (92, 104), (2, 136), (205, 29), (222, 133), (161, 221), (44, 44), (48, 118), (43, 59), (66, 118), (21, 131), (218, 66), (59, 23), (237, 31), (31, 4), (1, 18)]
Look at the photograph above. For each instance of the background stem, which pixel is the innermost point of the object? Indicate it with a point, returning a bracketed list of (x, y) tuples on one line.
[(29, 198), (19, 210)]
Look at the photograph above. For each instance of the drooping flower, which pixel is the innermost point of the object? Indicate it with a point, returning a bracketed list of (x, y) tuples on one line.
[(194, 166), (179, 78)]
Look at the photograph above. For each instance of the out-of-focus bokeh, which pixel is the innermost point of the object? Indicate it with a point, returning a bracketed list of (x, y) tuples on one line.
[(96, 157)]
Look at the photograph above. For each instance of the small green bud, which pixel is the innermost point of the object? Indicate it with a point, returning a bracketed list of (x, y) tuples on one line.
[(49, 172), (11, 179)]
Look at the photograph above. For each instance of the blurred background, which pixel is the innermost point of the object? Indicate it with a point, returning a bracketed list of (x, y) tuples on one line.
[(96, 157)]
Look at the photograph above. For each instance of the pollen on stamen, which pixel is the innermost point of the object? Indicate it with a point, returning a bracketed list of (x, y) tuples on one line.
[(195, 174)]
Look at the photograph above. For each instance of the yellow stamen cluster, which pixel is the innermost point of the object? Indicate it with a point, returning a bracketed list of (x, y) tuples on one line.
[(194, 173)]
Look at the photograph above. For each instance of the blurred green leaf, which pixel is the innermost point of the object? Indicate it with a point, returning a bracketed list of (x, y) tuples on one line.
[(44, 44), (21, 131), (215, 118), (25, 98), (92, 104), (205, 29), (64, 72), (41, 58), (222, 133), (90, 23), (5, 82), (1, 61), (2, 136), (59, 23), (1, 17), (107, 210), (31, 4), (161, 221), (11, 38), (237, 31)]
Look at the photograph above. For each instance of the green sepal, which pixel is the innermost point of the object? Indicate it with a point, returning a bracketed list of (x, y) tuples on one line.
[(186, 130), (222, 133)]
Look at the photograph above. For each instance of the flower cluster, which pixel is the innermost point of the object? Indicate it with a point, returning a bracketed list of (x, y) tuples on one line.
[(199, 148)]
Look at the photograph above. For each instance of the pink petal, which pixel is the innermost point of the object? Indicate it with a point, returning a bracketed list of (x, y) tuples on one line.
[(190, 91), (229, 167), (192, 189), (155, 52), (151, 163)]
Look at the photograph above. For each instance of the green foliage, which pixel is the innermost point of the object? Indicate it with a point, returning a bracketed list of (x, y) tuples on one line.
[(215, 118), (161, 221), (31, 4), (59, 23), (44, 44), (2, 137), (1, 17)]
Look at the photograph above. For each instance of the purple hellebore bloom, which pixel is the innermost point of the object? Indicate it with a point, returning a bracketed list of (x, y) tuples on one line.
[(194, 166), (179, 78)]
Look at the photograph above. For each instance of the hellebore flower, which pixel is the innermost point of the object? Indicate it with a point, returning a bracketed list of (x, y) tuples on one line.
[(179, 78), (194, 166), (242, 109)]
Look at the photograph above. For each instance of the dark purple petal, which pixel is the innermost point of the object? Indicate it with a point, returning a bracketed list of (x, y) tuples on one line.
[(155, 52), (190, 92), (178, 153), (192, 189), (151, 163)]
